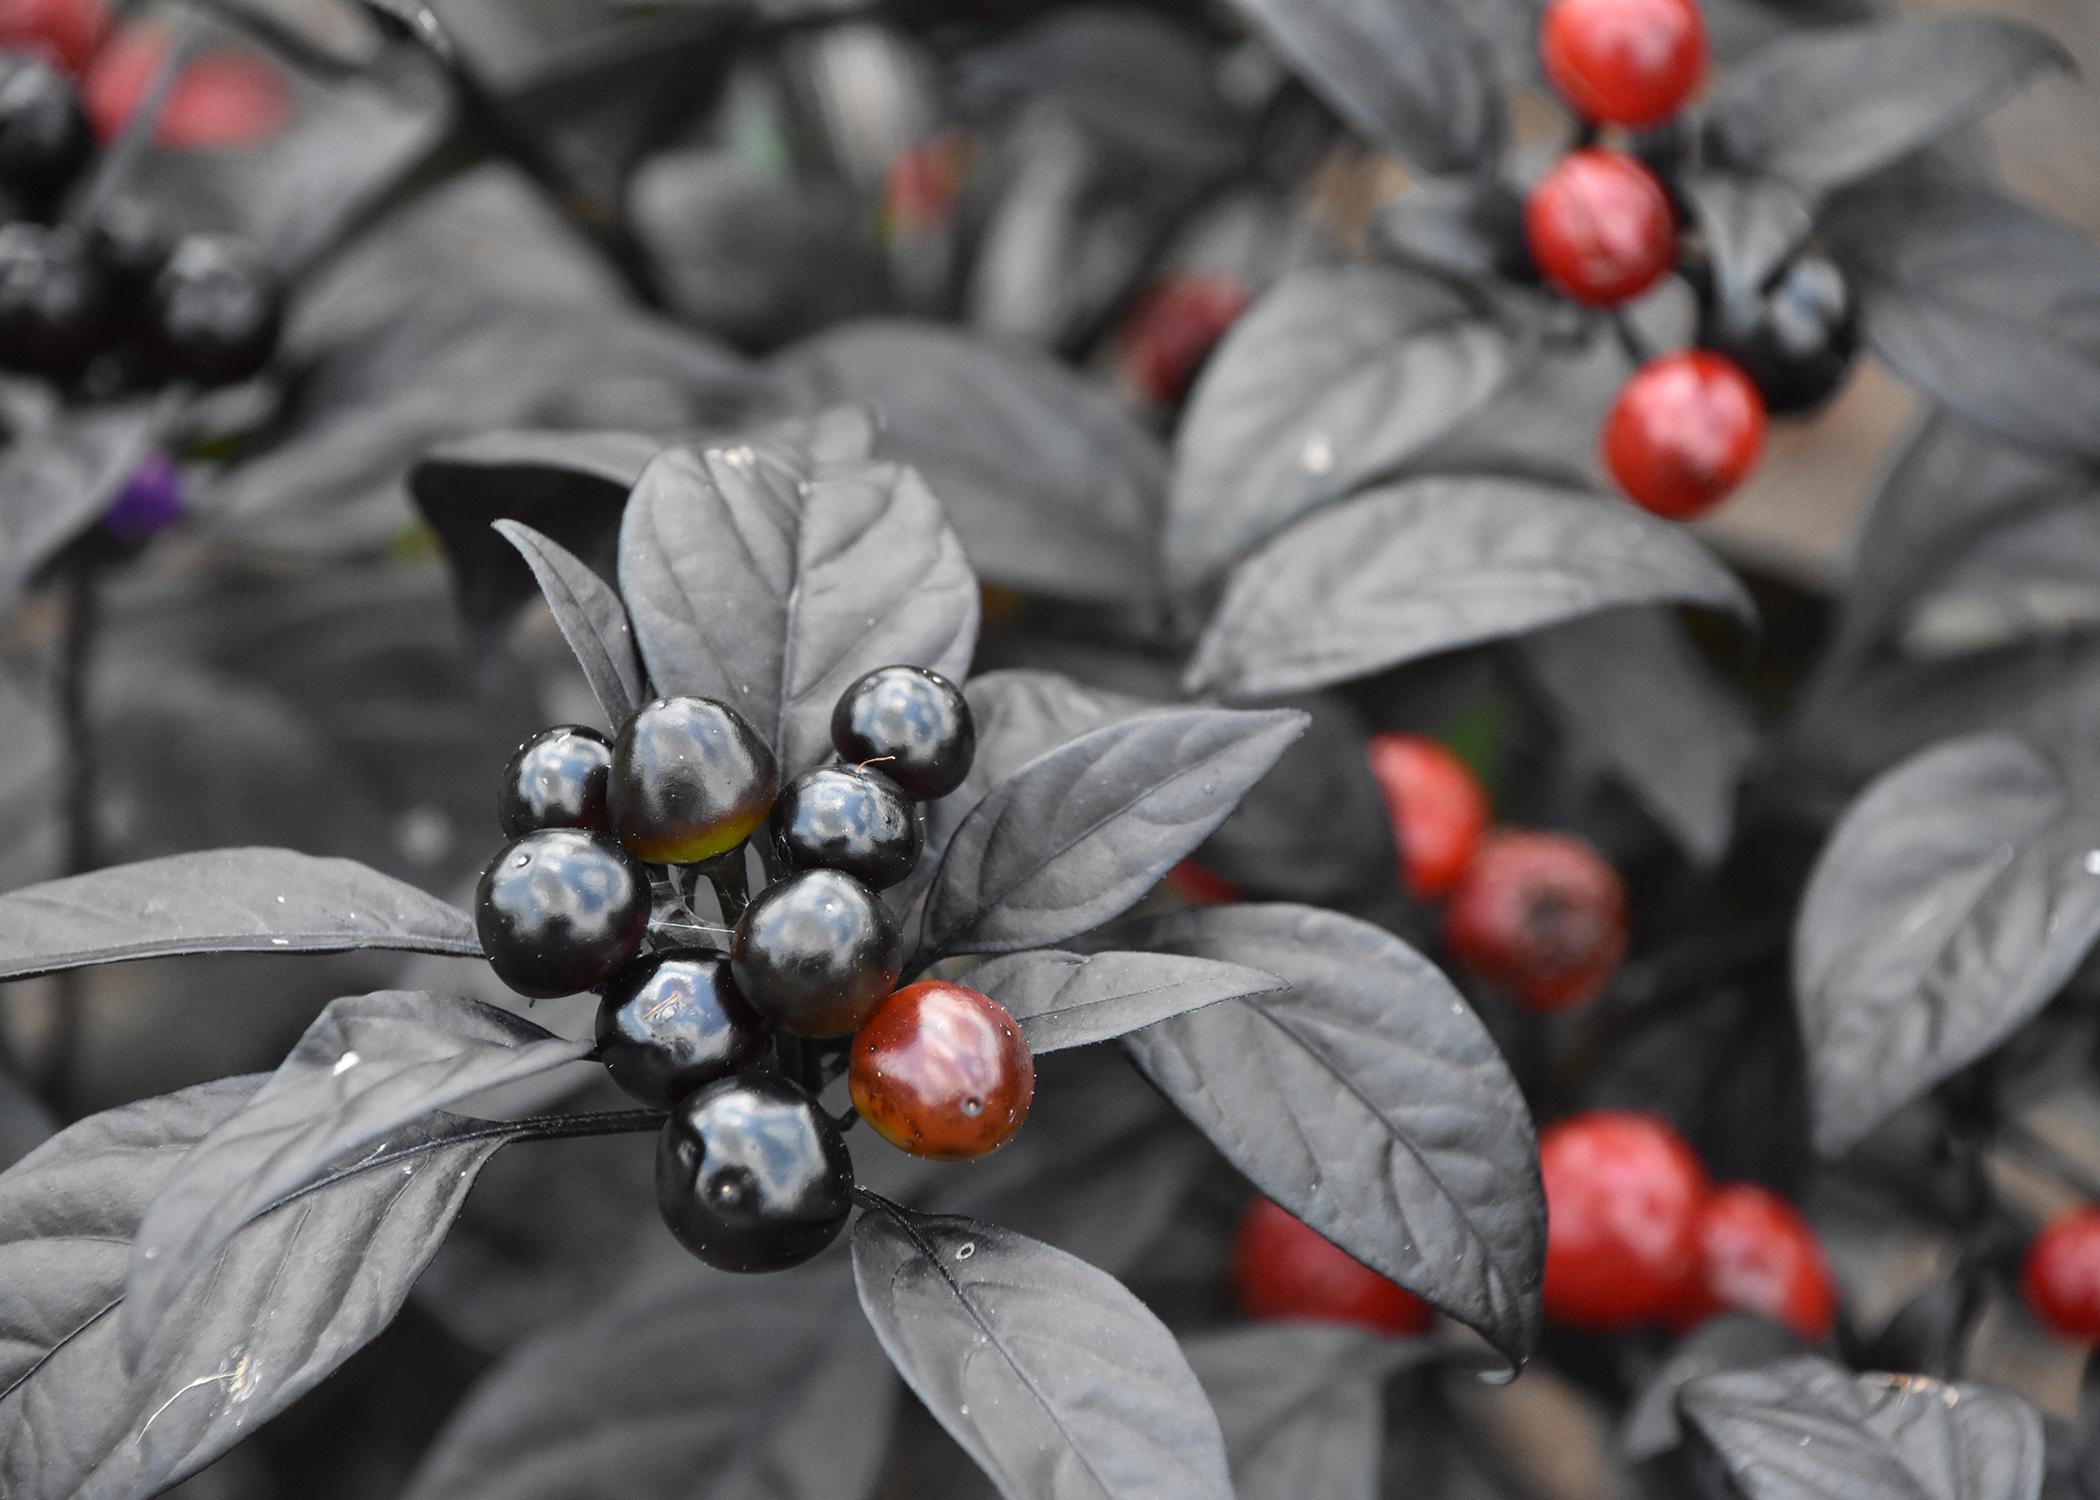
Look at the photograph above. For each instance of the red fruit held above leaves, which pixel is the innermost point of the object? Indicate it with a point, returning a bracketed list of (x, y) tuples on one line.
[(1686, 430), (1174, 329), (2062, 1275), (65, 31), (227, 98), (1757, 1254), (1286, 1272), (941, 1071), (1437, 807), (1624, 62), (1623, 1199), (1541, 915), (1600, 227)]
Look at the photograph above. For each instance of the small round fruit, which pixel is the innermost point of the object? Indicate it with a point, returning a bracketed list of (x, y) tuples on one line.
[(1285, 1272), (1686, 430), (1796, 342), (128, 250), (2061, 1278), (1173, 331), (941, 1071), (816, 953), (849, 819), (672, 1022), (66, 31), (556, 779), (52, 311), (1624, 62), (1757, 1254), (45, 139), (752, 1176), (1600, 228), (1541, 915), (561, 910), (1623, 1198), (212, 314), (691, 780), (1437, 808), (914, 725)]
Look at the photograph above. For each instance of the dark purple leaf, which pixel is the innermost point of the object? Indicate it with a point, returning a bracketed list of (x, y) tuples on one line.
[(1808, 1429), (1050, 484), (801, 1412), (1337, 377), (1072, 999), (222, 901), (291, 1297), (1426, 565), (591, 619), (771, 574), (1056, 1379), (1950, 905), (1369, 1101), (368, 1067), (1079, 834), (1824, 108)]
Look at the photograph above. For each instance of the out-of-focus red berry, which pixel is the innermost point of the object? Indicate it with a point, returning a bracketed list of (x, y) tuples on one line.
[(65, 31), (226, 98), (1285, 1272), (1624, 62), (1684, 433), (1200, 886), (2062, 1275), (1757, 1254), (1437, 807), (1541, 915), (1623, 1198), (923, 184), (1600, 227), (1173, 330)]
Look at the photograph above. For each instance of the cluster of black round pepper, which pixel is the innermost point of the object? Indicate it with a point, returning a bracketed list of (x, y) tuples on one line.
[(752, 1173), (110, 297)]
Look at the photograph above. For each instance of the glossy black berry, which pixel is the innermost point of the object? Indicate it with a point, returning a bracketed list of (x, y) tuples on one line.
[(690, 780), (128, 250), (556, 779), (845, 818), (212, 314), (671, 1023), (752, 1176), (561, 910), (912, 724), (816, 953), (45, 139), (52, 311), (1796, 341)]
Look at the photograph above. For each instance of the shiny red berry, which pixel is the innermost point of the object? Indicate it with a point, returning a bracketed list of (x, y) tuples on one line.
[(1758, 1255), (2062, 1276), (1686, 430), (1541, 915), (1173, 331), (1437, 807), (1285, 1272), (1623, 1199), (1600, 227), (1624, 62), (942, 1071)]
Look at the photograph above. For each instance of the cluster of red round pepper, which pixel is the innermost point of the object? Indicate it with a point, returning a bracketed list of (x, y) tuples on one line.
[(1688, 427), (752, 1173), (1636, 1234), (1541, 916)]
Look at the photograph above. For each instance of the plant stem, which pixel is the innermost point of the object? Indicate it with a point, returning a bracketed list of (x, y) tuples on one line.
[(572, 1127), (81, 614), (2047, 1157)]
